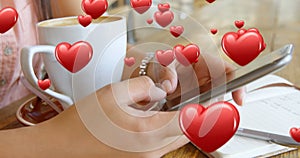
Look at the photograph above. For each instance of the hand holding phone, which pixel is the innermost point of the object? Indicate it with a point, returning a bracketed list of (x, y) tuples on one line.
[(267, 64)]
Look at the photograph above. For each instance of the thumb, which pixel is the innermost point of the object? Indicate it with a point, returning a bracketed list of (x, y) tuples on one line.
[(166, 77), (136, 90)]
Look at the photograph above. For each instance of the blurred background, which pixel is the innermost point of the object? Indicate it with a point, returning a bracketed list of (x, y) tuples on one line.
[(277, 20)]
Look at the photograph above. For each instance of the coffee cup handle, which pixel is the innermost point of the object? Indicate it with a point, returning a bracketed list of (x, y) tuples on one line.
[(27, 54)]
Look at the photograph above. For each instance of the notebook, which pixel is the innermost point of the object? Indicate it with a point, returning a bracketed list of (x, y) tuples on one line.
[(245, 147), (272, 110)]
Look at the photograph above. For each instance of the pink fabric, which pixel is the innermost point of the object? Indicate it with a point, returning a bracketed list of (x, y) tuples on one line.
[(22, 34)]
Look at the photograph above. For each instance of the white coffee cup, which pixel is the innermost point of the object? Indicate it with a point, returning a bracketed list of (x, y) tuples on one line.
[(106, 35)]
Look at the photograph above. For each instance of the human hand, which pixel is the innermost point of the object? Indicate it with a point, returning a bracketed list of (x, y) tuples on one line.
[(128, 130), (101, 125), (208, 72)]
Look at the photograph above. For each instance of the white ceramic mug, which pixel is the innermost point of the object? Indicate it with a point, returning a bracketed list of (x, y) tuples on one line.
[(106, 35)]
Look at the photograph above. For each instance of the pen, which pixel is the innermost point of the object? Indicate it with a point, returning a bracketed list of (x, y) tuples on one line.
[(280, 139)]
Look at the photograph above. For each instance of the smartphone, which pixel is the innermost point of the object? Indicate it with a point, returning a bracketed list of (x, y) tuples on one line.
[(265, 65)]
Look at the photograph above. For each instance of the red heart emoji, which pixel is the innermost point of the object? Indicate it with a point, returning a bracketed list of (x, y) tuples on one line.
[(255, 30), (295, 134), (74, 57), (239, 23), (164, 57), (140, 6), (129, 61), (213, 31), (94, 8), (187, 55), (210, 1), (164, 18), (84, 20), (176, 31), (8, 18), (150, 21), (163, 7), (244, 46), (209, 128), (44, 84), (241, 31)]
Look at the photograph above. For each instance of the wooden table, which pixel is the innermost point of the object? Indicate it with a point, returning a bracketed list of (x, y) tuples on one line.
[(277, 20)]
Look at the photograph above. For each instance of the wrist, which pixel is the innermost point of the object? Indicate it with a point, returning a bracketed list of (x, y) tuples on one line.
[(146, 67), (144, 64)]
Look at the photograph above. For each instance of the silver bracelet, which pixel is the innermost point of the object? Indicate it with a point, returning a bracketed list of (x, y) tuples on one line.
[(144, 64)]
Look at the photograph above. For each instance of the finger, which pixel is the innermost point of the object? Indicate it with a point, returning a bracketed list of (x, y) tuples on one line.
[(214, 66), (166, 77), (135, 90), (229, 70), (132, 91), (239, 95)]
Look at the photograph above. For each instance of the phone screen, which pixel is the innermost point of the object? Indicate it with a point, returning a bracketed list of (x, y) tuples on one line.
[(258, 68)]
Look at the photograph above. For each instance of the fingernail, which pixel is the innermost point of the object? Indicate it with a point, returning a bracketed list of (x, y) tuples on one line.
[(156, 93), (166, 85)]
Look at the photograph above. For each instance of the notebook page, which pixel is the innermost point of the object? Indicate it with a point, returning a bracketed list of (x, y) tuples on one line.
[(275, 114), (239, 146)]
